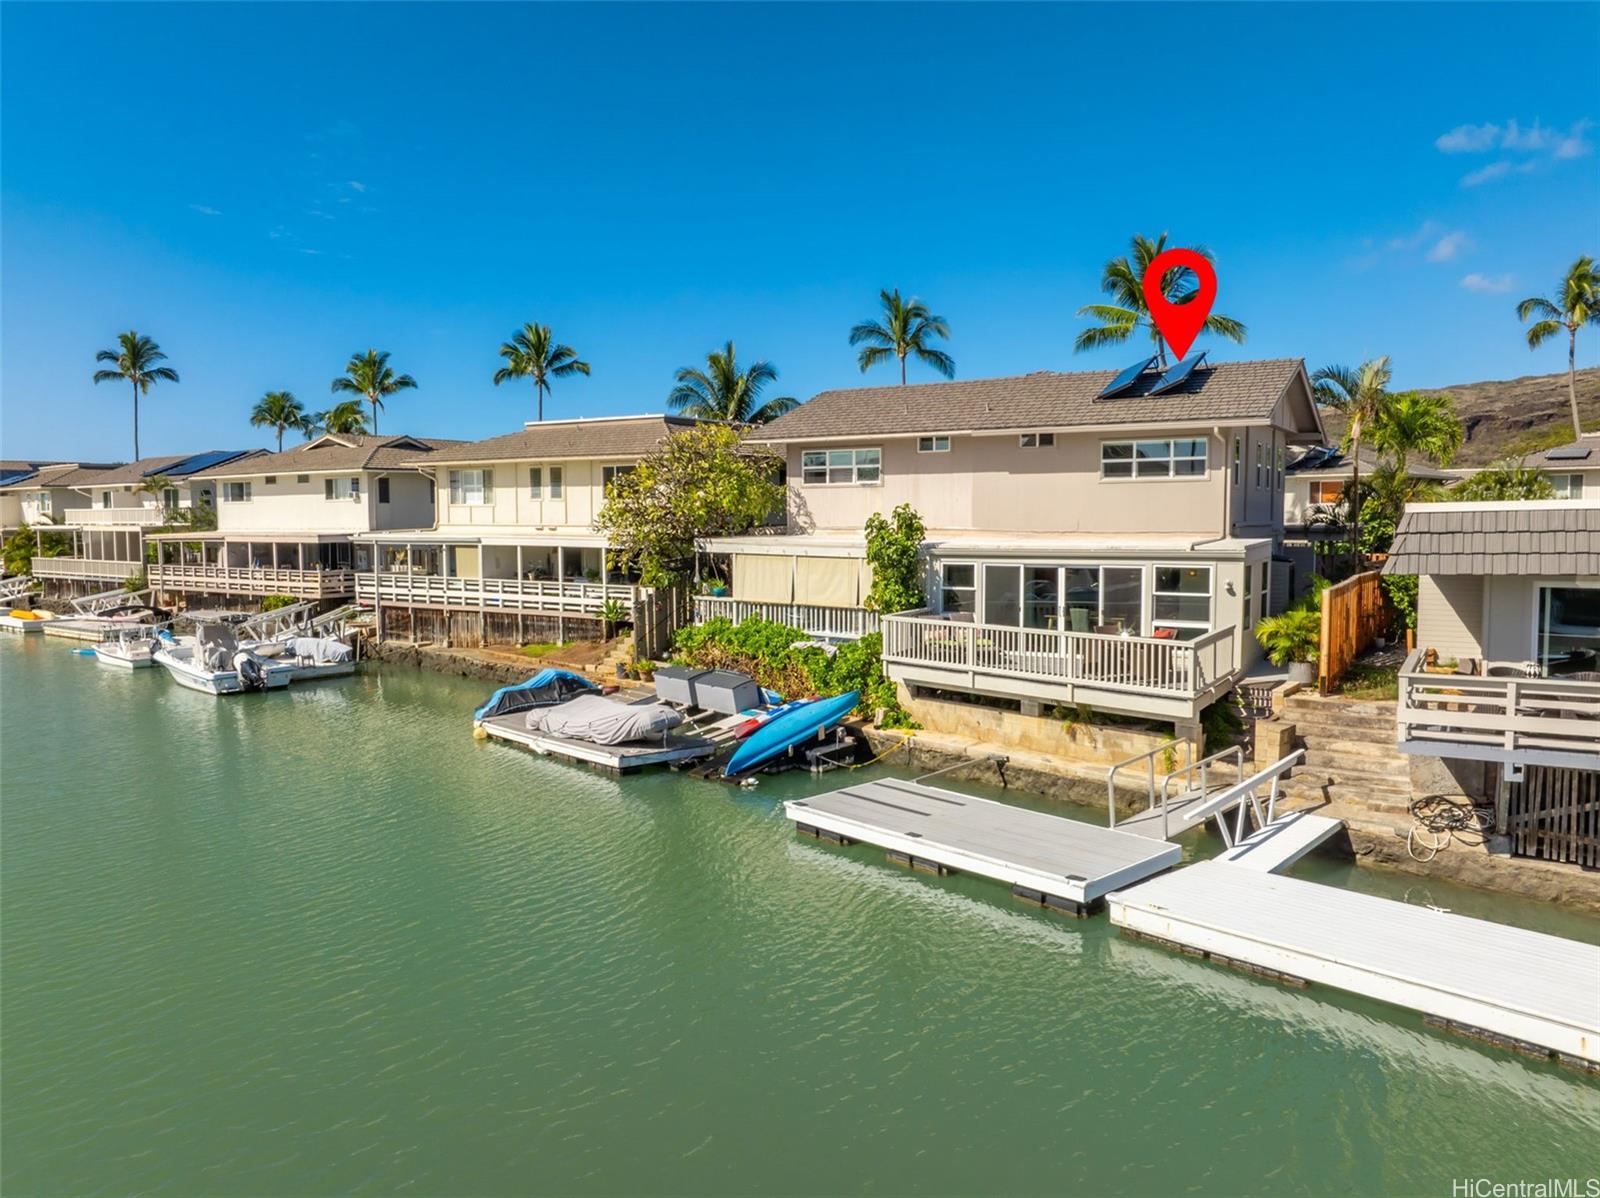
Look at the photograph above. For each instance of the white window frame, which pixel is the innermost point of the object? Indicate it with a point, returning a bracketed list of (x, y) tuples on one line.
[(557, 484), (610, 473), (43, 501), (863, 460), (337, 490), (384, 489), (943, 586), (170, 498), (302, 478), (536, 483), (227, 494), (1567, 485), (1203, 626), (1036, 440), (105, 499), (1142, 469), (471, 487), (933, 444)]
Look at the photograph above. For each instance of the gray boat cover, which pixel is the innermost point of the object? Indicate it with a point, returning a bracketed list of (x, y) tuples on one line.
[(603, 721), (324, 650)]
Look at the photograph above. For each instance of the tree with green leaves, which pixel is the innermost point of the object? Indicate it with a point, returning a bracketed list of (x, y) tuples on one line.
[(1507, 479), (28, 543), (1362, 395), (902, 331), (1575, 304), (894, 551), (1418, 422), (137, 360), (370, 376), (724, 392), (532, 353), (280, 410), (346, 418), (1122, 281), (700, 482)]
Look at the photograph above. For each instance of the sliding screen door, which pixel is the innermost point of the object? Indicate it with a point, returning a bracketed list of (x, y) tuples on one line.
[(1002, 595)]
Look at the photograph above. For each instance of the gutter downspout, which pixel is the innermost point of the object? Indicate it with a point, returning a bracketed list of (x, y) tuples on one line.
[(1227, 494)]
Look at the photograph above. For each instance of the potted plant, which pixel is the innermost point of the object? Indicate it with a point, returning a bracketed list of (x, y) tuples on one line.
[(1293, 639)]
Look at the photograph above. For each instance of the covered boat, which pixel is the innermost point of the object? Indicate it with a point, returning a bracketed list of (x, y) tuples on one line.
[(544, 689), (602, 721)]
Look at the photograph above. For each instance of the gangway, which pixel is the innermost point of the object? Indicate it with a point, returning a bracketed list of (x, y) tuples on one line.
[(93, 605), (15, 588)]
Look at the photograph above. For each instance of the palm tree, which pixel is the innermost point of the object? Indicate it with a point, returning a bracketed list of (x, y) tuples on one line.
[(530, 354), (1506, 479), (136, 360), (903, 332), (342, 418), (1578, 305), (724, 392), (370, 376), (1362, 395), (1123, 281), (1416, 422), (282, 411)]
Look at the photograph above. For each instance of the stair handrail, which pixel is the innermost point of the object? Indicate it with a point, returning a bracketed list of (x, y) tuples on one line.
[(1149, 758), (1243, 798)]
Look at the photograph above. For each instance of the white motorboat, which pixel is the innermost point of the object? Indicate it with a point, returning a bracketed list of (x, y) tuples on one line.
[(128, 648), (214, 662)]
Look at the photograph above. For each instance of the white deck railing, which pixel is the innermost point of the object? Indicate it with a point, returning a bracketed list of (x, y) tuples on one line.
[(139, 516), (1514, 720), (1135, 664), (236, 580), (495, 594), (837, 623), (83, 567)]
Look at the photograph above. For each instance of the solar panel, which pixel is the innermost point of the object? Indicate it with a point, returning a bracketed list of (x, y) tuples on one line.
[(1176, 375), (15, 476), (1126, 379), (200, 461), (1568, 453)]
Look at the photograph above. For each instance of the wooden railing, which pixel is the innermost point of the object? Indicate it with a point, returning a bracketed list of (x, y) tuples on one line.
[(1514, 720), (141, 516), (1352, 614), (836, 623), (494, 594), (236, 580), (1135, 664), (83, 567)]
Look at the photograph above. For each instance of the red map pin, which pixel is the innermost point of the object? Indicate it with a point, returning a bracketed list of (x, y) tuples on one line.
[(1179, 324)]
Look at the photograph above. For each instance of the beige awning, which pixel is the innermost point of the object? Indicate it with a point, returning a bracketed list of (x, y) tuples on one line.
[(827, 581), (759, 578)]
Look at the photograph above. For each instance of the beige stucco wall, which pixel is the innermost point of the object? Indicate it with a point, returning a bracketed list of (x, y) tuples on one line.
[(514, 505), (410, 501), (61, 500), (1450, 615), (291, 506)]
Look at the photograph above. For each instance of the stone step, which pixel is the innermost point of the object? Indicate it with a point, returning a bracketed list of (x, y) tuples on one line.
[(1334, 745), (1320, 719)]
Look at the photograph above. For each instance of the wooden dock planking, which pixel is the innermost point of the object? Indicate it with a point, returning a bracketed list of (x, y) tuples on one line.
[(1045, 858), (1501, 983)]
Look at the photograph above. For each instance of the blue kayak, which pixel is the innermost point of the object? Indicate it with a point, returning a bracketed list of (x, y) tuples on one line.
[(779, 735)]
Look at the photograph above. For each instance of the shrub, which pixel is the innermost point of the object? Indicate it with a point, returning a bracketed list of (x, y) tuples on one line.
[(274, 602), (1295, 635), (893, 548), (768, 651)]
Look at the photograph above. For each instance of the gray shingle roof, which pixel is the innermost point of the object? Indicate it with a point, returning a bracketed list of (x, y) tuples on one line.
[(624, 437), (137, 472), (1541, 537), (354, 451), (1582, 454), (52, 476), (1045, 399)]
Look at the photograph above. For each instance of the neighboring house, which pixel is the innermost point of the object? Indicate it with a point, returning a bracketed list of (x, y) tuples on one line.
[(1093, 538), (32, 492), (113, 510), (514, 554), (286, 521), (1508, 615), (1573, 469)]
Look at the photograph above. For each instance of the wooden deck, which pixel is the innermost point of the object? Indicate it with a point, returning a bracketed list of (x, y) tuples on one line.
[(672, 749), (1524, 990), (1046, 859)]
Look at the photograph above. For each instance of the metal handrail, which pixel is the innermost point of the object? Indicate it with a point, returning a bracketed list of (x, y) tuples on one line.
[(1149, 758)]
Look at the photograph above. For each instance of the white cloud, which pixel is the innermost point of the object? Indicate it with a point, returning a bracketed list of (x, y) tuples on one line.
[(1448, 246), (1575, 144), (357, 185), (1468, 139), (313, 252), (1426, 231), (205, 210), (1533, 139), (1487, 284), (1487, 174)]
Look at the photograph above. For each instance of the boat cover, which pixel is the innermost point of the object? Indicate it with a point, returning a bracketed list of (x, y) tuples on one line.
[(543, 689), (324, 650), (603, 721)]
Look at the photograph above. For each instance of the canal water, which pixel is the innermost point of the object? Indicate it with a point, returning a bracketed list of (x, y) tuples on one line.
[(322, 942)]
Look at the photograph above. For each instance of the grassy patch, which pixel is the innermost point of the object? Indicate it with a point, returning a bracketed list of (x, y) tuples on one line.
[(540, 648), (1371, 682)]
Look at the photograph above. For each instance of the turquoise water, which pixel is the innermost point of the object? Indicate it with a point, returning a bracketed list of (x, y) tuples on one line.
[(322, 942)]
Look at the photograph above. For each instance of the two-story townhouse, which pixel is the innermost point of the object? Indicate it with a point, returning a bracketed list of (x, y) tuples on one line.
[(1573, 468), (515, 554), (286, 522), (31, 492), (115, 508), (1096, 538)]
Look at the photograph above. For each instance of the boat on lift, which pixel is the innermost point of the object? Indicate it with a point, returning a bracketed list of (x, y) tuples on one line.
[(215, 662), (789, 730)]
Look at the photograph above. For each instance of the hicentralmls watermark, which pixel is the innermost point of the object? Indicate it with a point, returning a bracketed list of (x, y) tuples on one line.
[(1553, 1187)]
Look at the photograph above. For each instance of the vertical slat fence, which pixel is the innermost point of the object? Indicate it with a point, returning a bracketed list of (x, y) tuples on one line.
[(1352, 614)]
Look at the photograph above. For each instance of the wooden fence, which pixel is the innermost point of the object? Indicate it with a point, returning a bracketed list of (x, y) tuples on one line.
[(1352, 615), (1554, 815)]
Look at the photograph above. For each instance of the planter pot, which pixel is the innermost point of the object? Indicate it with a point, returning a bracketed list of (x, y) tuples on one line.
[(1303, 672)]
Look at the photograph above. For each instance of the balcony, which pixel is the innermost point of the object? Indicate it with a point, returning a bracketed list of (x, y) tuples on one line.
[(232, 580), (825, 623), (1138, 675), (547, 596), (84, 567), (106, 517), (1515, 720)]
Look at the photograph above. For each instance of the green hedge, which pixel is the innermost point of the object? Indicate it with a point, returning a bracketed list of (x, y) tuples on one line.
[(766, 650)]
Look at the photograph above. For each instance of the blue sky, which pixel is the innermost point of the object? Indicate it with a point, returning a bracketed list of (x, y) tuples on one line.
[(267, 188)]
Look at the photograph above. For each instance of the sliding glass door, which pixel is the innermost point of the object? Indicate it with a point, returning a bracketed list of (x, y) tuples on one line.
[(1569, 630)]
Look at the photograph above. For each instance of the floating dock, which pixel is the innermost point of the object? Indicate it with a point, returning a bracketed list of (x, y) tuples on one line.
[(1521, 990), (671, 749), (1059, 863)]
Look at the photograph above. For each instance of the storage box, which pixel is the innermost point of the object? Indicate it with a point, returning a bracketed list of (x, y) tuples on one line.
[(676, 684), (726, 692)]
